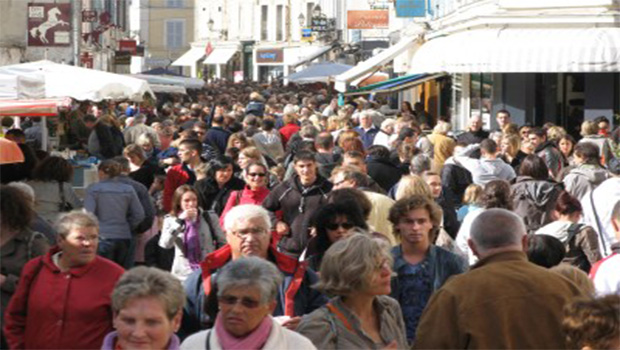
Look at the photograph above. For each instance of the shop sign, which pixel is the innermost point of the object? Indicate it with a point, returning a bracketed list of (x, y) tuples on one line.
[(49, 24), (129, 46), (306, 35), (374, 19), (410, 8), (86, 59), (122, 57), (89, 16), (270, 56)]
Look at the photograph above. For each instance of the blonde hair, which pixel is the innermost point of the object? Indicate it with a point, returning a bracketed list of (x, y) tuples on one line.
[(589, 127), (412, 185), (473, 194), (514, 141), (510, 129), (349, 263), (555, 133)]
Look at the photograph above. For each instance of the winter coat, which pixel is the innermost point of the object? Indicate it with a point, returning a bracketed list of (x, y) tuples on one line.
[(582, 249), (384, 172), (212, 197), (470, 137), (106, 141), (534, 201), (218, 138), (552, 157), (583, 179), (454, 181), (297, 205)]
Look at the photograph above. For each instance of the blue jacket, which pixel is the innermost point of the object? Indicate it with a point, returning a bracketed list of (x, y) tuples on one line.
[(443, 264), (295, 295), (218, 138), (117, 207), (368, 137)]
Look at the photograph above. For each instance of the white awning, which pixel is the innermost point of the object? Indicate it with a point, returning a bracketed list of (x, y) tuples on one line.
[(220, 56), (313, 55), (170, 89), (190, 58), (374, 63), (520, 50)]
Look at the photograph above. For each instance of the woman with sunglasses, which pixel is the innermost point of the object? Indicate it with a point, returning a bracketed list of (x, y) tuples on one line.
[(254, 192), (246, 292), (332, 223)]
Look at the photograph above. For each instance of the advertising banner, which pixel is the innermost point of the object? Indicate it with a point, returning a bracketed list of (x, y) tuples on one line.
[(375, 19), (49, 24)]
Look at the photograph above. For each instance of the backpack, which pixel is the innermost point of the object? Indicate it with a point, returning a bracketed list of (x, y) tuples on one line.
[(535, 214), (574, 255)]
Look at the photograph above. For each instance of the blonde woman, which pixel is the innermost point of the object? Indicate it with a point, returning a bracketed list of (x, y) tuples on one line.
[(471, 201), (412, 185), (510, 148)]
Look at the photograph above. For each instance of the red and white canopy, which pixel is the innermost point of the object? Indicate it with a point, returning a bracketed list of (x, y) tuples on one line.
[(33, 108)]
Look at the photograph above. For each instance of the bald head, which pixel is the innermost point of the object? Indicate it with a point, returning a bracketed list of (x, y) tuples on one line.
[(496, 230)]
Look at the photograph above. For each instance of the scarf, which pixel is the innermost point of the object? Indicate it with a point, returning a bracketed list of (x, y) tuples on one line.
[(191, 243), (255, 340)]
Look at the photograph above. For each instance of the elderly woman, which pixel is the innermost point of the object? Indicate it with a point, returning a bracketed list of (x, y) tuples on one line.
[(247, 290), (51, 181), (188, 231), (75, 313), (358, 271), (147, 305)]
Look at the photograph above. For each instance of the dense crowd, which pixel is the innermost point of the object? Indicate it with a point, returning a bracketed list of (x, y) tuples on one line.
[(271, 217)]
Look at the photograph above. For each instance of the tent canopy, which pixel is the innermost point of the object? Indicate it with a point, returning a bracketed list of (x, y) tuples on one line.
[(320, 72), (82, 84), (21, 87), (33, 108), (161, 71)]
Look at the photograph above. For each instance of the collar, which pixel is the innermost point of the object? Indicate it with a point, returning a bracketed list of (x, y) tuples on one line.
[(220, 257), (399, 261), (501, 257), (74, 271)]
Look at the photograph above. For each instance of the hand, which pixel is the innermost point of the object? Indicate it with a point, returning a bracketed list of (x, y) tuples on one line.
[(282, 228), (391, 346), (2, 279), (189, 214), (293, 322)]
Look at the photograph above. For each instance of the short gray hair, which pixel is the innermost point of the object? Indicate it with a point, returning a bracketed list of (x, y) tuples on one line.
[(250, 272), (348, 264), (246, 212), (419, 164), (497, 228), (73, 219), (145, 282)]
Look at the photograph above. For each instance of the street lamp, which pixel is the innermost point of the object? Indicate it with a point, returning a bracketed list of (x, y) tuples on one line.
[(302, 20), (210, 24)]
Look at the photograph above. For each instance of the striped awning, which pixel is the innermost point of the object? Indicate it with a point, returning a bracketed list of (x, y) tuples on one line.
[(33, 108), (395, 84), (521, 50)]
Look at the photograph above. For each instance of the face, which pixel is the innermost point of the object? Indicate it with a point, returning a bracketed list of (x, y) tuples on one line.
[(242, 311), (222, 176), (475, 124), (189, 200), (243, 160), (186, 154), (339, 228), (79, 247), (524, 132), (249, 238), (340, 182), (380, 283), (239, 144), (365, 121), (502, 119), (306, 170), (505, 146), (565, 146), (434, 182), (535, 140), (143, 324), (415, 227), (200, 132), (603, 126), (256, 176)]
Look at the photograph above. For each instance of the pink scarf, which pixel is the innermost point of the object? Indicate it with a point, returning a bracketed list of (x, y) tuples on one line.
[(255, 340)]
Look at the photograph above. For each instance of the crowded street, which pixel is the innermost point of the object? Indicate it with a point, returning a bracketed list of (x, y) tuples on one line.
[(336, 174)]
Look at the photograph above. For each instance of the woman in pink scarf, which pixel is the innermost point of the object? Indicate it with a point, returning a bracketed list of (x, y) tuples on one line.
[(247, 289), (255, 191)]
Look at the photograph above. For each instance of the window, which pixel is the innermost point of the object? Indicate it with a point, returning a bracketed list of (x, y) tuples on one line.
[(309, 13), (481, 95), (264, 17), (279, 20), (174, 3), (175, 34)]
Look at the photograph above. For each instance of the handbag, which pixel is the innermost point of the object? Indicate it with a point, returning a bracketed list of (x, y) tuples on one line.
[(63, 206)]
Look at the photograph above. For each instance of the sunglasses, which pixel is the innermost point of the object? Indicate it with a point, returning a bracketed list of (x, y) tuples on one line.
[(256, 174), (344, 225), (245, 302)]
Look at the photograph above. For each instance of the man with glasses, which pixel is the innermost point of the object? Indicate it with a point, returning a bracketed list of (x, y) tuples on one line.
[(248, 232), (420, 266)]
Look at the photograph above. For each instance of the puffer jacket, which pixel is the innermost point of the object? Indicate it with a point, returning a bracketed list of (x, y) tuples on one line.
[(534, 201), (584, 179), (297, 205)]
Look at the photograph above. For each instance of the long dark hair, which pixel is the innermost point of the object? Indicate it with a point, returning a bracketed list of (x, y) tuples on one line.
[(327, 215)]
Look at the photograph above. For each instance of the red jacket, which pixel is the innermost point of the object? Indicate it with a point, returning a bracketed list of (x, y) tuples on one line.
[(287, 131), (177, 176), (247, 196), (61, 310)]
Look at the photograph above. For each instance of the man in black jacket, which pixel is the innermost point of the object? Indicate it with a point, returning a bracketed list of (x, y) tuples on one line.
[(474, 133), (297, 198)]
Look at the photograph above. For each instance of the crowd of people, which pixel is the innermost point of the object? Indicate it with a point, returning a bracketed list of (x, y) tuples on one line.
[(271, 217)]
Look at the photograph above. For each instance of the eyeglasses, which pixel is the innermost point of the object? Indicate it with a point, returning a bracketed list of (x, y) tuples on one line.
[(256, 174), (335, 226), (249, 232), (245, 302)]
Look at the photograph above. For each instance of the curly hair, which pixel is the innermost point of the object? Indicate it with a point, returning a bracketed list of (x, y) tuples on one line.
[(594, 323), (53, 169), (496, 194), (16, 209)]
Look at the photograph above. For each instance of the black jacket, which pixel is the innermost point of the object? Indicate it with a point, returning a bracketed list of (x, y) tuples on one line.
[(384, 172), (218, 138), (473, 137), (297, 205), (454, 181), (211, 197)]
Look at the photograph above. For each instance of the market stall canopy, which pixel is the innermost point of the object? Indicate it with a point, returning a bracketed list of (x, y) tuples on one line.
[(10, 152), (395, 84), (34, 108), (21, 86), (168, 89), (160, 71), (82, 84), (521, 50), (318, 73)]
